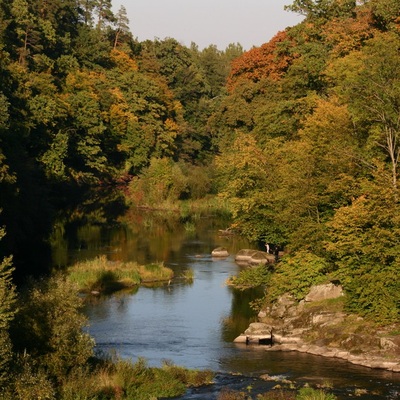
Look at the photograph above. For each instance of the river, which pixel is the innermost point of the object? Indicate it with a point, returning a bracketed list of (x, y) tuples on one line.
[(194, 324)]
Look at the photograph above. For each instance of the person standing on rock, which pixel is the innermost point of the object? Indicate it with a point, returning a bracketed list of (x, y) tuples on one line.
[(276, 253)]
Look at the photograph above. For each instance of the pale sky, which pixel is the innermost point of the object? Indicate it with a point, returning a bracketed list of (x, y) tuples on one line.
[(204, 22)]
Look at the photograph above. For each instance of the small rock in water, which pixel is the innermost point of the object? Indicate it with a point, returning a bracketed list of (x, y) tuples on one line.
[(220, 252)]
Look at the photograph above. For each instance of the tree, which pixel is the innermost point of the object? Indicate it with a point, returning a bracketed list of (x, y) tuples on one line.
[(215, 67), (49, 326), (372, 89), (26, 29), (386, 14), (322, 9), (317, 173), (7, 312), (363, 243), (122, 26), (104, 13), (85, 9), (342, 36), (270, 60), (245, 178)]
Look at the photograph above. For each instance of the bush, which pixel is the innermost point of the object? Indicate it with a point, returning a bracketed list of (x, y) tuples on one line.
[(278, 395), (314, 394), (251, 277), (32, 382), (49, 327), (162, 181), (296, 274)]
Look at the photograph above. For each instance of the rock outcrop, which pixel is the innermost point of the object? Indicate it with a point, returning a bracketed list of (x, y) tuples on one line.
[(318, 325)]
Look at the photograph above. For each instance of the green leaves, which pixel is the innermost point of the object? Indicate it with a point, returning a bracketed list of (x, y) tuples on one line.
[(314, 9), (365, 248), (328, 131), (7, 312), (296, 273), (49, 327)]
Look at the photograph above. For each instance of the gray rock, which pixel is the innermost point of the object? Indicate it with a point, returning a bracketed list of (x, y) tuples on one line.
[(220, 252), (324, 292), (253, 257), (244, 255), (259, 258)]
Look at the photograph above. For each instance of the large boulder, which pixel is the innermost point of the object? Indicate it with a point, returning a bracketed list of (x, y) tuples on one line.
[(253, 257), (324, 292), (259, 258), (244, 255)]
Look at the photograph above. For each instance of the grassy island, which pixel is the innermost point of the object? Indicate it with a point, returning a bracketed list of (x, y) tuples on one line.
[(102, 275)]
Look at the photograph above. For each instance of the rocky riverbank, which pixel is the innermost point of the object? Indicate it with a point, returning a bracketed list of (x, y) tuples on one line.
[(318, 325)]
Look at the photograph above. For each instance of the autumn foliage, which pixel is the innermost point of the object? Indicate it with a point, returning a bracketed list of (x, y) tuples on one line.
[(271, 60), (315, 115)]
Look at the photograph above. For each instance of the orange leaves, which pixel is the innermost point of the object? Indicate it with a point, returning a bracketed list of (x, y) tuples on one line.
[(270, 60), (346, 35), (123, 61)]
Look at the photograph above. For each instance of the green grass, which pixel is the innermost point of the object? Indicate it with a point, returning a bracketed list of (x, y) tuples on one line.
[(188, 275), (102, 275), (314, 394), (190, 227), (122, 379)]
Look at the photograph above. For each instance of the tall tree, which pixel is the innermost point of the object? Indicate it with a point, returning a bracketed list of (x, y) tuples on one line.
[(372, 89), (271, 60), (121, 26), (322, 9), (26, 28), (105, 16)]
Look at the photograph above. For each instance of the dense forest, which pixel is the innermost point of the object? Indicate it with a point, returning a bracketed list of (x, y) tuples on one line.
[(299, 137)]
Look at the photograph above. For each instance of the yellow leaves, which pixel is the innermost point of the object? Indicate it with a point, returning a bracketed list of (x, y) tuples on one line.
[(171, 126), (84, 80), (329, 120), (123, 61), (120, 117), (243, 152)]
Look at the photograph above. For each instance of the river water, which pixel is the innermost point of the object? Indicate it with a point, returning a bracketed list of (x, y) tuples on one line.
[(194, 324)]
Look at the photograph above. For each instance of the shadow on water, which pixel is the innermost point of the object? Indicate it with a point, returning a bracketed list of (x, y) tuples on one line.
[(193, 325)]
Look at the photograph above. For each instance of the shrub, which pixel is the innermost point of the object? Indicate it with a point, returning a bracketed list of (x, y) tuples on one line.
[(32, 382), (162, 181), (307, 393), (49, 327), (191, 378), (251, 277), (296, 274)]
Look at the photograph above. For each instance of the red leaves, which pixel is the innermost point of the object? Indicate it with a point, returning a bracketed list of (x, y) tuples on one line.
[(270, 60)]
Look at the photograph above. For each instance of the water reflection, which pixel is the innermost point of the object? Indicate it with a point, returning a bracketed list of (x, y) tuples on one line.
[(194, 325)]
